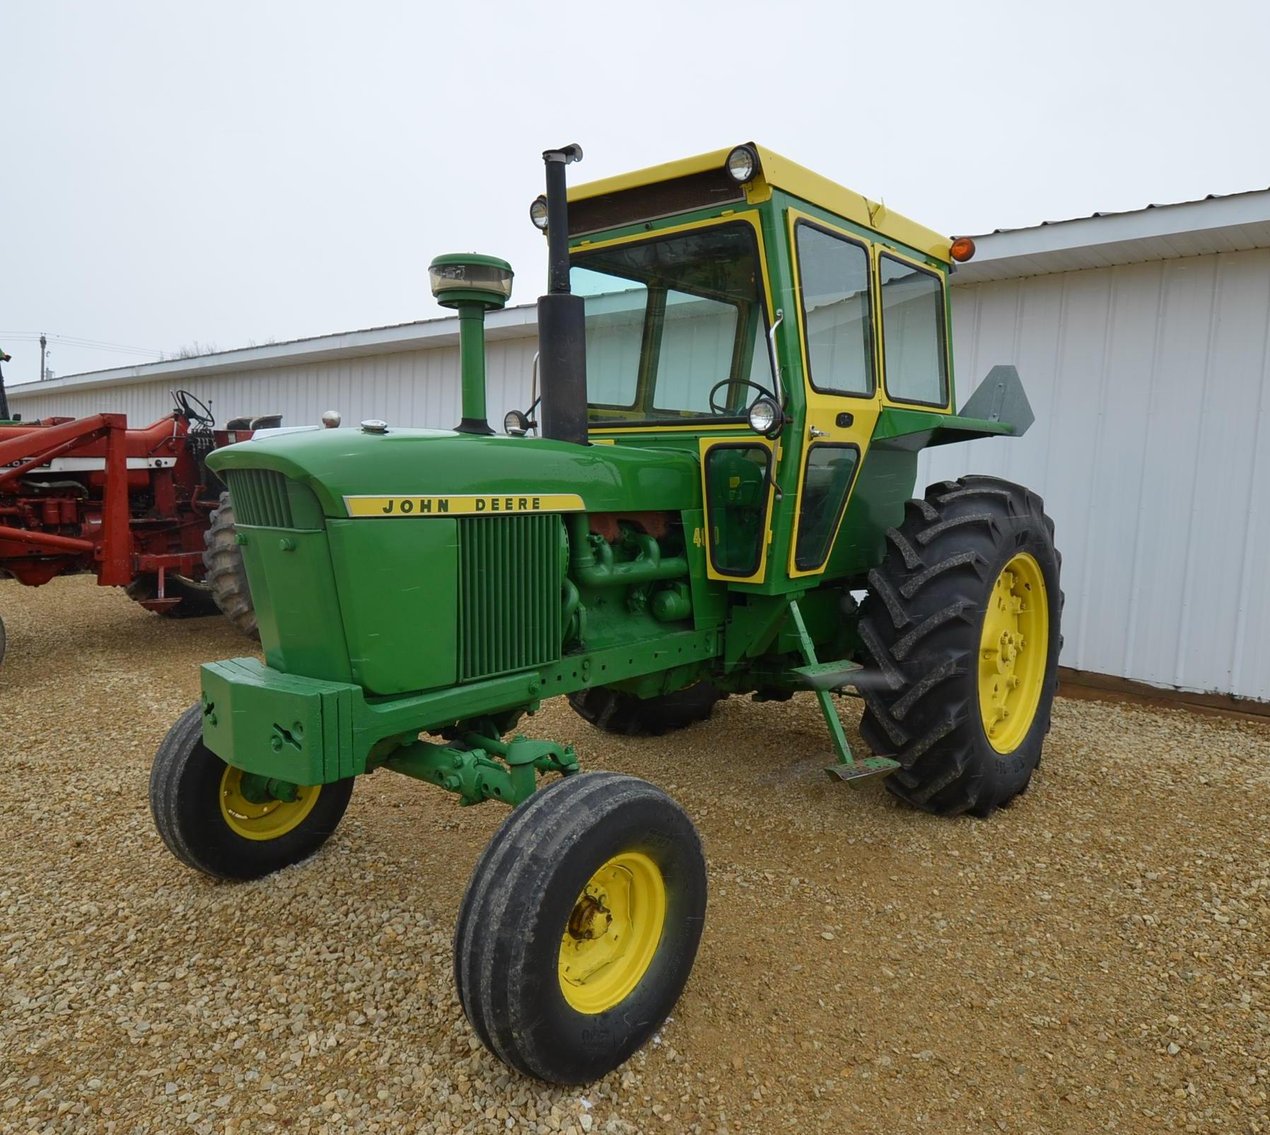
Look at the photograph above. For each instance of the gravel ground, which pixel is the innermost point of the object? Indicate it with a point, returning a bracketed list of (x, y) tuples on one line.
[(1093, 959)]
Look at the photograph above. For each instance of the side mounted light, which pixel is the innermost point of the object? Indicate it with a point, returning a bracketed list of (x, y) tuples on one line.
[(766, 417), (516, 423), (963, 248), (538, 212), (742, 163)]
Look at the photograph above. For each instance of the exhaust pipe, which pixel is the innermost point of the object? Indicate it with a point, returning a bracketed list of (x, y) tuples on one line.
[(561, 317)]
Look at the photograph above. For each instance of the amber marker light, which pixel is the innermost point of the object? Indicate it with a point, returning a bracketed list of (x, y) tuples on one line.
[(963, 248)]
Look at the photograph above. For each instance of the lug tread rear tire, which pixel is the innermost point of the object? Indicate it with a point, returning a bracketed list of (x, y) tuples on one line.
[(226, 572), (626, 715), (922, 624)]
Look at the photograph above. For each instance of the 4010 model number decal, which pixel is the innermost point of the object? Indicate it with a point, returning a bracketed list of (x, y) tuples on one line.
[(463, 505)]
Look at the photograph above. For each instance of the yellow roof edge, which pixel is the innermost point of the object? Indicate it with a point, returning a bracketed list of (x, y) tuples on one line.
[(781, 173)]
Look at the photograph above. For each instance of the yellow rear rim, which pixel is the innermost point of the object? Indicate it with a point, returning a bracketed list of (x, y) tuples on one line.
[(269, 820), (1013, 650), (612, 933)]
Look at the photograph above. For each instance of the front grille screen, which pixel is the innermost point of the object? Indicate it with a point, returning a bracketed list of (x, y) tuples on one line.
[(259, 497), (509, 593)]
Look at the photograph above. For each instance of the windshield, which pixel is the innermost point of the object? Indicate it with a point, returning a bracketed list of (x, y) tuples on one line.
[(675, 327)]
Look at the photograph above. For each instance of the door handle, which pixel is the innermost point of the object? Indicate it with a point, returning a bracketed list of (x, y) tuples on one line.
[(814, 433)]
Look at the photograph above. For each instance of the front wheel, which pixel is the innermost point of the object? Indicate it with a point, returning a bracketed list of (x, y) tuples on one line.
[(962, 622), (221, 821), (580, 926)]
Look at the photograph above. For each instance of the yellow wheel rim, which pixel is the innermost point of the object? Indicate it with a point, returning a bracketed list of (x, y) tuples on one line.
[(612, 933), (269, 820), (1013, 650)]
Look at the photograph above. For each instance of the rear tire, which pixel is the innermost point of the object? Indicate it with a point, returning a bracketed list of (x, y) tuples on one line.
[(963, 625), (226, 572), (629, 716), (580, 925), (203, 818)]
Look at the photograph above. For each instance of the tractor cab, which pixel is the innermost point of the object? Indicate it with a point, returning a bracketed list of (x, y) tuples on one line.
[(756, 315)]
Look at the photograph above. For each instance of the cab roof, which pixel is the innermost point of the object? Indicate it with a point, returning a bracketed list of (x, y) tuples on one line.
[(777, 172)]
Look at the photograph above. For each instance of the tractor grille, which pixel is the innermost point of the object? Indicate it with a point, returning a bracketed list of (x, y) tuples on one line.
[(259, 497), (509, 594)]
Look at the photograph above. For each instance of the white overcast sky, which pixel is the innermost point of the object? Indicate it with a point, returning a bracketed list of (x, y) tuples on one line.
[(223, 173)]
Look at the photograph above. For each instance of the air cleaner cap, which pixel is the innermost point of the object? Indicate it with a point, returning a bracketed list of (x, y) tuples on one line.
[(374, 426), (459, 278)]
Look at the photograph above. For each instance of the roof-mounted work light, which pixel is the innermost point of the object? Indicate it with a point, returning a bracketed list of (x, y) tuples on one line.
[(742, 163)]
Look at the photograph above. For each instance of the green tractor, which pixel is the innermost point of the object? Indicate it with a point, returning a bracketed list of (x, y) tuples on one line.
[(740, 363)]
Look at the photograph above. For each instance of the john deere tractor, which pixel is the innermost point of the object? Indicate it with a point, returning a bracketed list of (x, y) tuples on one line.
[(740, 362)]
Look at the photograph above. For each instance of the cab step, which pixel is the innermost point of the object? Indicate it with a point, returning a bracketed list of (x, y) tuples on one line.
[(822, 675), (861, 769)]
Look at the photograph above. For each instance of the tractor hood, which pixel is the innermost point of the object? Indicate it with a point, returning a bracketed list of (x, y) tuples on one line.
[(356, 473)]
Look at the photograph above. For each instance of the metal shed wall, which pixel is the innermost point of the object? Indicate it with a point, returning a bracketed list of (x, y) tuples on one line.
[(409, 387), (1151, 385)]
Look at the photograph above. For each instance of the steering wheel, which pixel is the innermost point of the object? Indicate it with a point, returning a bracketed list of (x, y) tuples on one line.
[(720, 408), (192, 409)]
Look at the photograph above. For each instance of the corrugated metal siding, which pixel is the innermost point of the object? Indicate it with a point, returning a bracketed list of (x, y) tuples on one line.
[(1151, 386), (416, 388)]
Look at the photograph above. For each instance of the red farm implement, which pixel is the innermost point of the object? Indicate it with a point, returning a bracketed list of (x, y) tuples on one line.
[(129, 505)]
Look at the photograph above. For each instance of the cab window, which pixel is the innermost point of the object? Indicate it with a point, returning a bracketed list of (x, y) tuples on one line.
[(675, 328), (833, 274), (913, 339), (826, 481)]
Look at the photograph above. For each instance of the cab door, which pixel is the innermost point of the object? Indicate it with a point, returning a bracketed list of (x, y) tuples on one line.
[(836, 309)]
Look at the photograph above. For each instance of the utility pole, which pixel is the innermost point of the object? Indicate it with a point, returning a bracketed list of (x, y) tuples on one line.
[(43, 344), (4, 402)]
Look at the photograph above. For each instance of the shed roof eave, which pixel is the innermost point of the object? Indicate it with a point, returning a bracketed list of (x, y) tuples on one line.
[(425, 335), (1215, 224)]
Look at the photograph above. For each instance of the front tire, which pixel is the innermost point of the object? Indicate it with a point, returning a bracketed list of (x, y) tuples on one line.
[(963, 625), (580, 926), (208, 822)]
